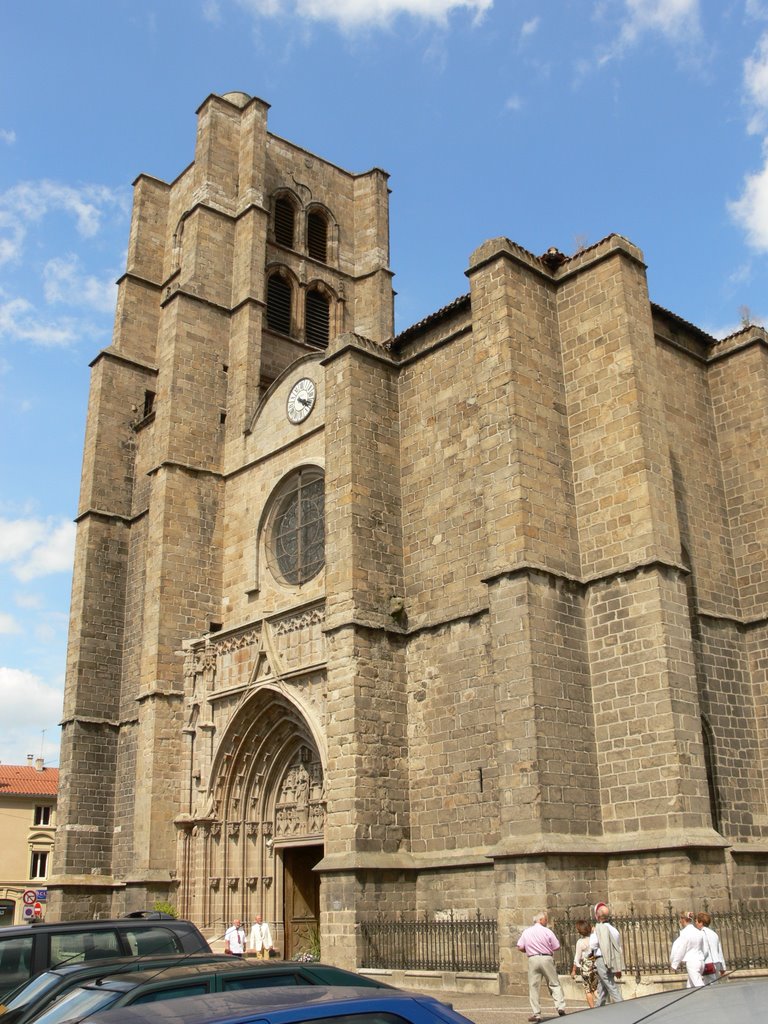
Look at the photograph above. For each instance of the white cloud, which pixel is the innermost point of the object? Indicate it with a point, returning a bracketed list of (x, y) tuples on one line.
[(750, 210), (529, 27), (36, 547), (30, 201), (19, 321), (212, 11), (513, 103), (8, 137), (757, 8), (351, 14), (677, 21), (63, 281), (30, 706), (29, 601), (8, 624), (756, 85)]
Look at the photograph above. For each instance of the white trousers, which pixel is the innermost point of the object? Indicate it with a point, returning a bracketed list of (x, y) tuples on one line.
[(540, 968)]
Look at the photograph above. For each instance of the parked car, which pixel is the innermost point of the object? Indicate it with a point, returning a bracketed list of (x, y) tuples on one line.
[(727, 1001), (176, 982), (33, 996), (29, 949), (298, 1005)]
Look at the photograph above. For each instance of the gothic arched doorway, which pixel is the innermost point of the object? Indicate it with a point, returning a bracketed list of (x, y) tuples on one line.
[(258, 830)]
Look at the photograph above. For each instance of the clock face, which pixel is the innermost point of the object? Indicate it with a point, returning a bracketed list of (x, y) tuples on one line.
[(301, 400)]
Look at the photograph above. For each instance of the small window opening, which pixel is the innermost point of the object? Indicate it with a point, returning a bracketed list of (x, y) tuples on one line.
[(284, 222), (317, 237), (279, 304), (225, 368), (149, 402), (39, 866), (317, 318), (222, 417), (42, 815), (214, 627)]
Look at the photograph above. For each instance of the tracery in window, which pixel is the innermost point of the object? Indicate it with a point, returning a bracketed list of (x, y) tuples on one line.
[(296, 539)]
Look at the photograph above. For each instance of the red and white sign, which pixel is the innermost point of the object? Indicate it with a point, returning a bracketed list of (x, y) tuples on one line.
[(37, 909), (29, 897)]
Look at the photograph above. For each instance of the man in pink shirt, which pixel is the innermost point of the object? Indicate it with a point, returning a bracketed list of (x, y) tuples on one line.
[(539, 943)]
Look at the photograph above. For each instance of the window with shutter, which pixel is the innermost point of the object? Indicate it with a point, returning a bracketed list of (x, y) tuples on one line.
[(317, 236), (285, 218), (279, 304), (318, 317)]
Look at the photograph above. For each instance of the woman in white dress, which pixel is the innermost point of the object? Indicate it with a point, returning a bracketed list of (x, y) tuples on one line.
[(689, 949), (714, 961)]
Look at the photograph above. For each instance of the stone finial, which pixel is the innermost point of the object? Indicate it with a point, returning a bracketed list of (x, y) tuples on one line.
[(553, 258)]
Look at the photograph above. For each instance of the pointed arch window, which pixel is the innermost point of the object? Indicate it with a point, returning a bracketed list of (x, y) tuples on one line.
[(317, 236), (708, 738), (285, 222), (279, 304), (317, 318)]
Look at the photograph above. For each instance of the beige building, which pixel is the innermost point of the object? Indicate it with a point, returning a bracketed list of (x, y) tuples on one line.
[(27, 825), (470, 617)]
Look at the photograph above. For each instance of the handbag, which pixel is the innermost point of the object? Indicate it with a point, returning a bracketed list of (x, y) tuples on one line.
[(708, 969)]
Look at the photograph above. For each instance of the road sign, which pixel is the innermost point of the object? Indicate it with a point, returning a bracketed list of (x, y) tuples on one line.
[(29, 897), (41, 894), (27, 913), (37, 909)]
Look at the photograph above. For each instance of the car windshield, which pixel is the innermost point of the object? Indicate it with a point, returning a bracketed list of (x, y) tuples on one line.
[(31, 990), (79, 1003)]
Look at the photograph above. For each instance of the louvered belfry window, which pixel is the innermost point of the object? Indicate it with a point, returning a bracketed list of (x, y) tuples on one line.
[(317, 237), (284, 222), (279, 304), (318, 317)]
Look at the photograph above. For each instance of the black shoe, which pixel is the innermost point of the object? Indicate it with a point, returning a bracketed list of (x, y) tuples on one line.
[(535, 1019), (561, 1013)]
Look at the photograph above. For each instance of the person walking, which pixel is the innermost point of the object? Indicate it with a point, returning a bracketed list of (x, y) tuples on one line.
[(584, 962), (539, 943), (688, 949), (234, 938), (260, 939), (714, 961), (605, 943)]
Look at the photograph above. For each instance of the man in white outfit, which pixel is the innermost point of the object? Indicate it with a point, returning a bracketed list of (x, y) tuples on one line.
[(234, 938), (688, 948), (260, 939), (714, 961)]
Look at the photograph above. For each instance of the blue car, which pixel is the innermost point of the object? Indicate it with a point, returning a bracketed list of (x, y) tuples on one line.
[(318, 1004)]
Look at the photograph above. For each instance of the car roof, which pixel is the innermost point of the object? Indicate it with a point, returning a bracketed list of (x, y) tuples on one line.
[(226, 965), (114, 964), (242, 1006), (718, 1003), (112, 922)]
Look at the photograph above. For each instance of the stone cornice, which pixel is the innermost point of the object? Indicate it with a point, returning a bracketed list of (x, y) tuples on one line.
[(120, 357)]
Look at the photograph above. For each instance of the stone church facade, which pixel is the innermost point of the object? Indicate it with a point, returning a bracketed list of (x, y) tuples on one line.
[(471, 617)]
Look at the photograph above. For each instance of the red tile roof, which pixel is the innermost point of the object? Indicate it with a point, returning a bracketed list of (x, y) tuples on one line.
[(21, 780)]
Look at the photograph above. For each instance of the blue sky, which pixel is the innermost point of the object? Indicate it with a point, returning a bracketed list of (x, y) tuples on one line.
[(553, 122)]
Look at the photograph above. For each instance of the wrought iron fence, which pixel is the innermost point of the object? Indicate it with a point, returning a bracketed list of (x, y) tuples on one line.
[(443, 944), (647, 938)]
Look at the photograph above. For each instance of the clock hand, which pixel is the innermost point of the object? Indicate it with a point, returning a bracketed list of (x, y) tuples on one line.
[(304, 401)]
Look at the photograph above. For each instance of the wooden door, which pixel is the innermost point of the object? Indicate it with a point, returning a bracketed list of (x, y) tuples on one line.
[(301, 909)]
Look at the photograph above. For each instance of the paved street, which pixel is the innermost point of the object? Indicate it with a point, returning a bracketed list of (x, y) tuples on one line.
[(492, 1009)]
